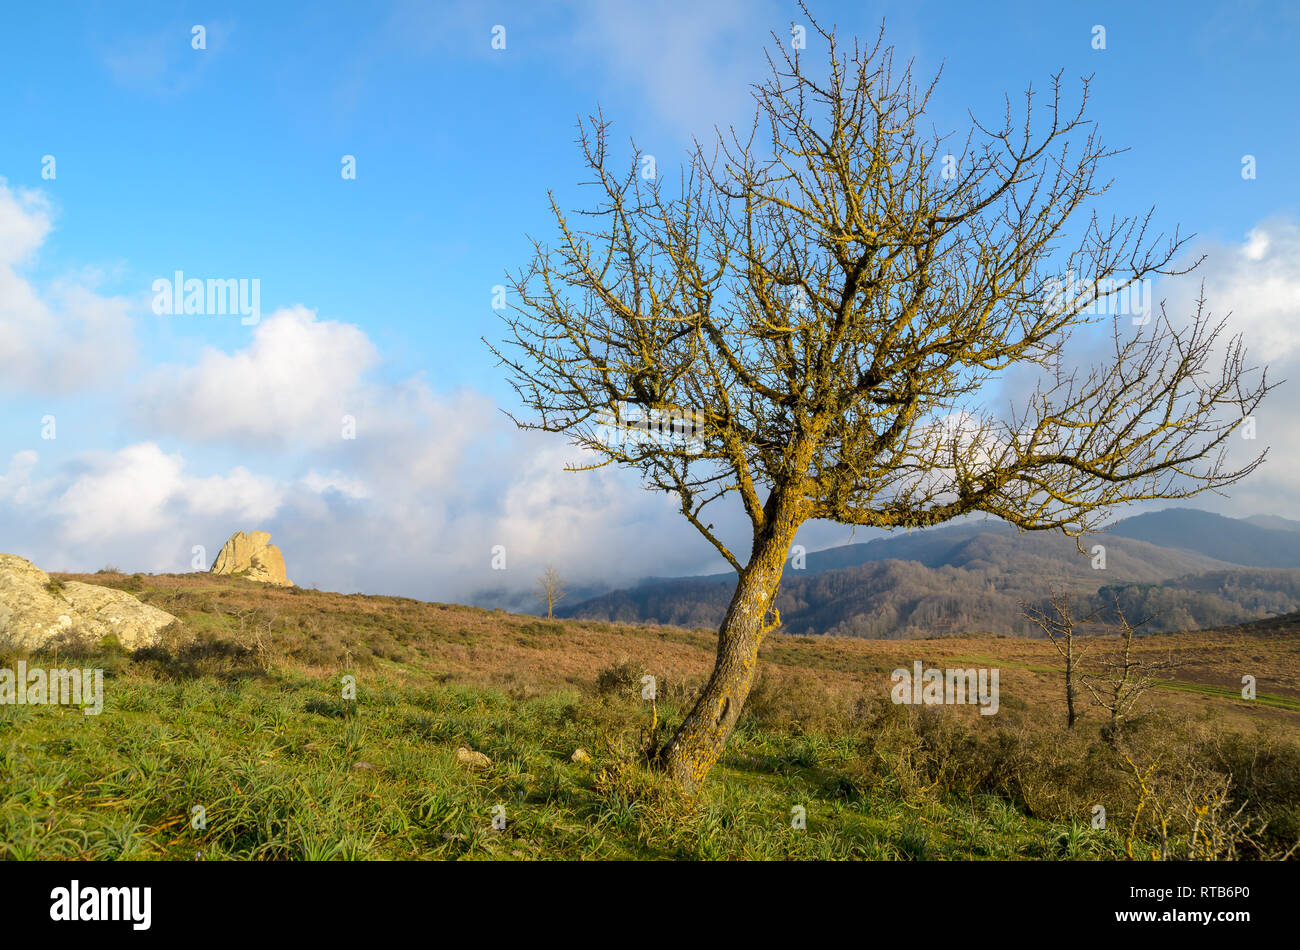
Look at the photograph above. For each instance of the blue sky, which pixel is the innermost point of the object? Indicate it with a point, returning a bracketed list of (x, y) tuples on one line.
[(225, 162)]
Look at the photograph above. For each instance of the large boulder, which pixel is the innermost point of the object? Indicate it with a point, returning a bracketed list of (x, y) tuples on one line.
[(252, 556), (35, 610)]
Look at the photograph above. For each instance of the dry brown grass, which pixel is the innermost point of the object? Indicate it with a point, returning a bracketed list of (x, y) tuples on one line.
[(802, 677)]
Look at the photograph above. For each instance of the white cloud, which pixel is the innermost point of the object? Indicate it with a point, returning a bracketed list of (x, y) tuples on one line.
[(24, 223), (239, 494), (138, 506), (141, 490), (596, 524), (1257, 244), (15, 485), (1259, 282), (291, 386), (61, 337)]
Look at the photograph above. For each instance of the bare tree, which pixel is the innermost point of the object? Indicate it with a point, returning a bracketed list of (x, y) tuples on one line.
[(550, 587), (1123, 677), (820, 308), (1058, 622)]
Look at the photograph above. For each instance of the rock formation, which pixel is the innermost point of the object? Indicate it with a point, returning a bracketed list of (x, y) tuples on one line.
[(252, 556), (471, 758), (35, 609)]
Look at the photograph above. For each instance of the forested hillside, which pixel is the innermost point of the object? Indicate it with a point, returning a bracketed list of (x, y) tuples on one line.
[(972, 578)]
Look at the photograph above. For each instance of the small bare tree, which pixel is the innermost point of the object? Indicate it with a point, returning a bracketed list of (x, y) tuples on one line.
[(1123, 677), (1058, 622), (833, 297), (550, 588)]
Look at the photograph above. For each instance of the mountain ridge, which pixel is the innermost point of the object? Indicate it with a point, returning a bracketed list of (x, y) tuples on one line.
[(973, 576)]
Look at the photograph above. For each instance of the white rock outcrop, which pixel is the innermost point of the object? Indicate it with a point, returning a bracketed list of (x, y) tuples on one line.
[(34, 610), (252, 556)]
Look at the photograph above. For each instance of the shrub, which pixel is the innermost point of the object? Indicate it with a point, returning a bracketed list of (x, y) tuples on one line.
[(621, 679)]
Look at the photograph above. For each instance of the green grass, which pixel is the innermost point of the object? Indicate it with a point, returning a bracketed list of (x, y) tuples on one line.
[(1231, 693), (242, 715), (283, 768)]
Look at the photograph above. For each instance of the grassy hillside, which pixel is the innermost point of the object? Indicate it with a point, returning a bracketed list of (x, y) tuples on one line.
[(242, 714)]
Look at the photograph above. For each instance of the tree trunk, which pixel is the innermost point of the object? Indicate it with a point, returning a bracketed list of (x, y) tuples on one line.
[(698, 744), (1070, 715)]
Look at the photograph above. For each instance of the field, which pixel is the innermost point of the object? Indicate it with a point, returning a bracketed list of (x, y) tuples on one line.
[(234, 740)]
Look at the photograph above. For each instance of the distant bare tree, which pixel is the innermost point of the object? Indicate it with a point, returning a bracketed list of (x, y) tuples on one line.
[(550, 587), (1123, 677), (1058, 622)]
